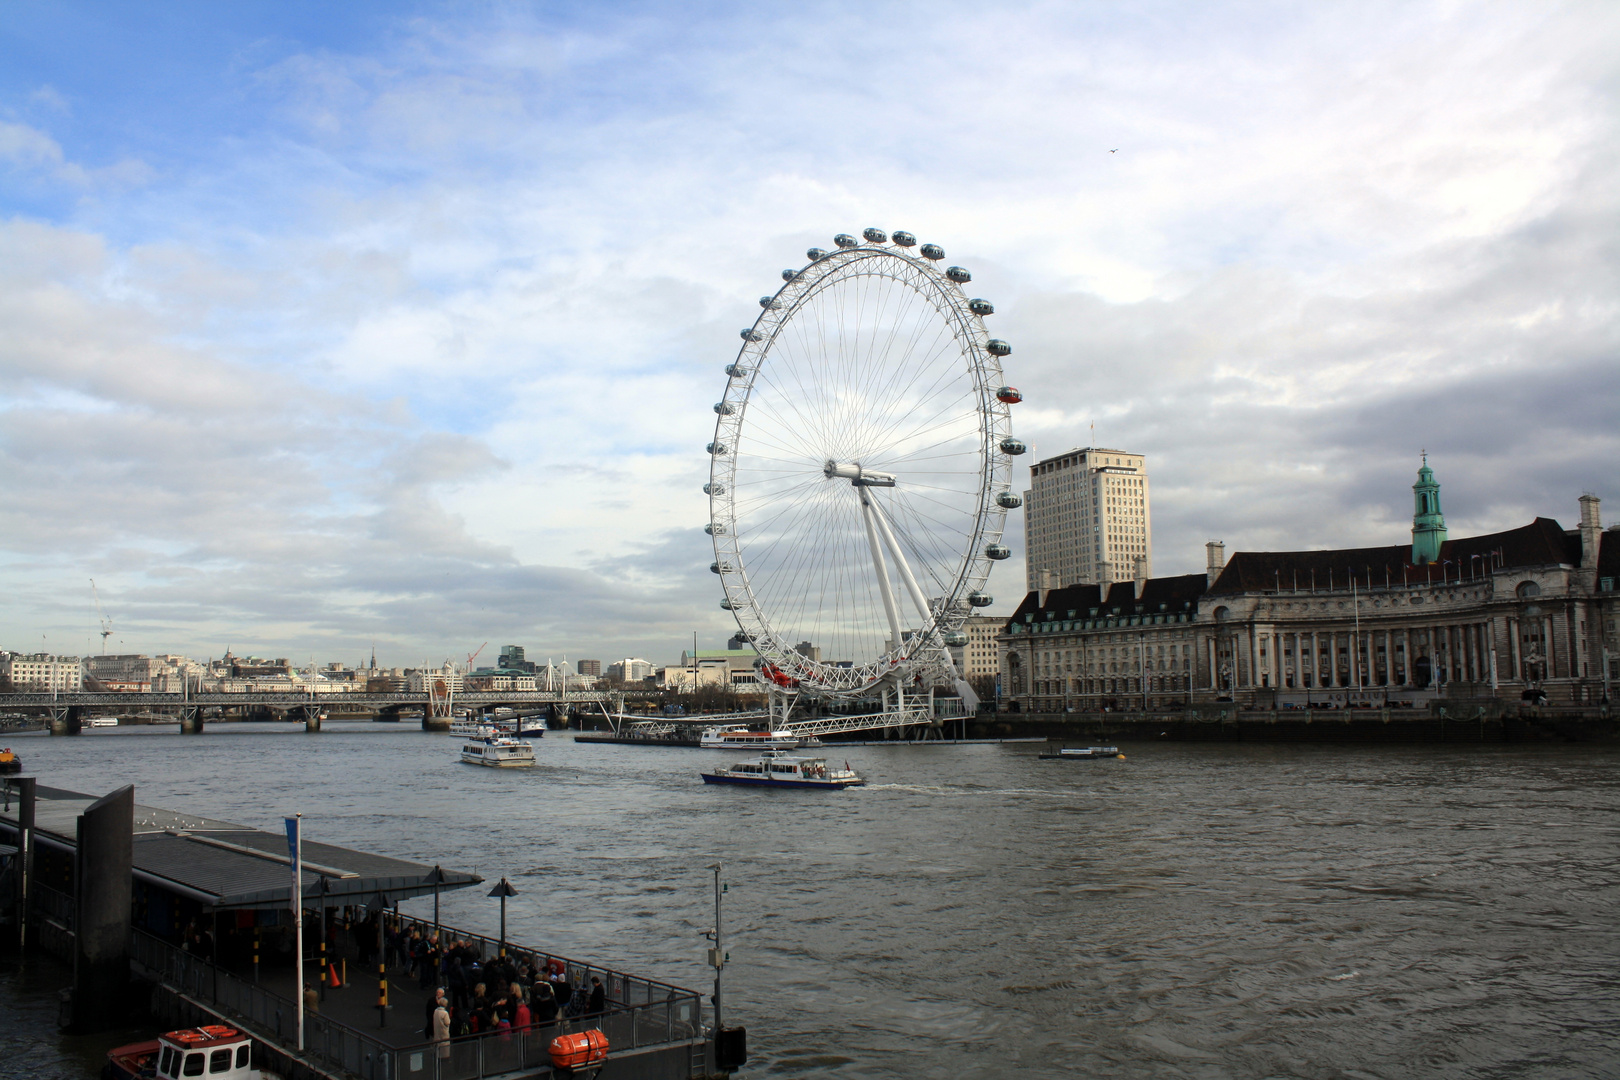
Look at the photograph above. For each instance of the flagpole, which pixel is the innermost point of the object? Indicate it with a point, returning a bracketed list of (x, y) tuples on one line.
[(295, 841)]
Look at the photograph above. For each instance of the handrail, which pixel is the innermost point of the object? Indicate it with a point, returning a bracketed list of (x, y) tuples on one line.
[(674, 1018)]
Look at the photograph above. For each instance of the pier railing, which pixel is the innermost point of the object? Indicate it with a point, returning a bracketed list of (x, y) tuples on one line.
[(641, 1013)]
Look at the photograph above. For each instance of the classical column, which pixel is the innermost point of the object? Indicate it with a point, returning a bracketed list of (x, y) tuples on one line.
[(1515, 669)]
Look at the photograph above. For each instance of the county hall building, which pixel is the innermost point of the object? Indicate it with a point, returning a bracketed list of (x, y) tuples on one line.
[(1530, 609)]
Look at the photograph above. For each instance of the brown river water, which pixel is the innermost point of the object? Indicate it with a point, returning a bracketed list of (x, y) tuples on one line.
[(1193, 911)]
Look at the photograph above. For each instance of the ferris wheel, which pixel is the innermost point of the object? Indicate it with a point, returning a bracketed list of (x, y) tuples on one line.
[(861, 467)]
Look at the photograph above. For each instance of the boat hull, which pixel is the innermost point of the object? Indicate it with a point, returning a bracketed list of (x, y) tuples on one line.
[(765, 781), (505, 763)]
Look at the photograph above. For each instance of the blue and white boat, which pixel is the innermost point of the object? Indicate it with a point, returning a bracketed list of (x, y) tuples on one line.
[(776, 769)]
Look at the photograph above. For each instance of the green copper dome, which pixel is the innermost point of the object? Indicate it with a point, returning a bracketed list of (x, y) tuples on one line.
[(1428, 523)]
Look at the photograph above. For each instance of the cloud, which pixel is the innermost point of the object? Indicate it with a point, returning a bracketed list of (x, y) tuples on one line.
[(421, 346)]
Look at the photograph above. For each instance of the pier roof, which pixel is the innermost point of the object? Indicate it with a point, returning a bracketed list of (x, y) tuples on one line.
[(224, 865)]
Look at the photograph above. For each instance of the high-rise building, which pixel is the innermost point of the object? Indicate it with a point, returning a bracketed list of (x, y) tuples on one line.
[(1086, 519), (591, 667)]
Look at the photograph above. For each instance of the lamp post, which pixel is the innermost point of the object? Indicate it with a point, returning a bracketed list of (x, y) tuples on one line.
[(503, 890)]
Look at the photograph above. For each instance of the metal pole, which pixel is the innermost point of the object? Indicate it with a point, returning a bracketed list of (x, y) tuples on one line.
[(323, 975), (717, 955)]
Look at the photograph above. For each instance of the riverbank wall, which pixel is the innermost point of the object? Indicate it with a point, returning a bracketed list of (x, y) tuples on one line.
[(1485, 721)]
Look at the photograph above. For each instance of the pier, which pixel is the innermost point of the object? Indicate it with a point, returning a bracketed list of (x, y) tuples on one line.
[(192, 915)]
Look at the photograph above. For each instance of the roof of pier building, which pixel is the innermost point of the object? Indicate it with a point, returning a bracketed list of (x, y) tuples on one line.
[(1543, 542), (1160, 596), (228, 866)]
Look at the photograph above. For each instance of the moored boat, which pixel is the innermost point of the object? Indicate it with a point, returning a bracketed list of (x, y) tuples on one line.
[(216, 1051), (743, 737), (1082, 753), (776, 769), (10, 762), (499, 751)]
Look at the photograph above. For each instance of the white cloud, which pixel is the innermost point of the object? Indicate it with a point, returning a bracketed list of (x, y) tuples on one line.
[(427, 354)]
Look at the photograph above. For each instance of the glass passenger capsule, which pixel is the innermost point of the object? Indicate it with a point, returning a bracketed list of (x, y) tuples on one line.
[(717, 448), (958, 275), (875, 236), (981, 307), (719, 568), (769, 303), (714, 489), (931, 251), (998, 552), (750, 334), (1009, 500), (1012, 446), (904, 239), (724, 408), (727, 605), (997, 347), (956, 639), (1009, 395), (844, 240), (815, 254), (979, 599), (736, 371), (789, 275)]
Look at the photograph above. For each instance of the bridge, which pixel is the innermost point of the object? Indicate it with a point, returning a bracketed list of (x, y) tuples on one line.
[(67, 710)]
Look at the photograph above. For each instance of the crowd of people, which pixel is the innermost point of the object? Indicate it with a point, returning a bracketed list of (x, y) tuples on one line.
[(474, 995)]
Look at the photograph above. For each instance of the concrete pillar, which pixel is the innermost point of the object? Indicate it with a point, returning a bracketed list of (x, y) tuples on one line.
[(1515, 669), (102, 898), (67, 720), (191, 720), (434, 723), (312, 719)]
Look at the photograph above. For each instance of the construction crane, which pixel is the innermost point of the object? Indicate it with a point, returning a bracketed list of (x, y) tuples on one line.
[(474, 655), (106, 623)]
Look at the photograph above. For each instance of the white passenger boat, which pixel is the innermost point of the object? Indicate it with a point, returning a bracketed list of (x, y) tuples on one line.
[(1082, 753), (776, 769), (743, 737), (475, 727), (101, 721), (499, 751)]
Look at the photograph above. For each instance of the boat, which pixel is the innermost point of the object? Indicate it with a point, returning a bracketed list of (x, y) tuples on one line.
[(776, 769), (215, 1051), (9, 762), (1082, 753), (499, 751), (101, 721), (743, 737), (475, 727)]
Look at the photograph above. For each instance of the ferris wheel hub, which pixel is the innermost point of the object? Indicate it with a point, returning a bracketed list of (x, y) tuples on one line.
[(860, 477)]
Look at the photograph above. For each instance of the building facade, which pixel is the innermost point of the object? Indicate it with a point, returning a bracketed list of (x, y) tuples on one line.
[(42, 672), (593, 668), (981, 656), (1531, 609), (1087, 519)]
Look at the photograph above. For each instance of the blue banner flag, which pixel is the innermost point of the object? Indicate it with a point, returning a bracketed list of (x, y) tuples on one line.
[(292, 839)]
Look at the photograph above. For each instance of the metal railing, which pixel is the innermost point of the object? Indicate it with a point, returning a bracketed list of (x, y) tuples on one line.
[(641, 1013)]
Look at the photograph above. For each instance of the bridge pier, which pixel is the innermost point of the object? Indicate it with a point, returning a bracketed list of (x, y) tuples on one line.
[(67, 720), (191, 720), (434, 723), (312, 719)]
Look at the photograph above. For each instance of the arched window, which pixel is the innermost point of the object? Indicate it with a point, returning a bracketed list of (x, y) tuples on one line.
[(1527, 589)]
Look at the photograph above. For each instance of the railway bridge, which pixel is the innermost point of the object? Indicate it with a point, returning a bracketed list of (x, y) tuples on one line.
[(67, 712)]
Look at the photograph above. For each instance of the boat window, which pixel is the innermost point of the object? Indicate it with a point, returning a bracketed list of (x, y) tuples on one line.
[(194, 1063), (220, 1061), (166, 1065), (243, 1053)]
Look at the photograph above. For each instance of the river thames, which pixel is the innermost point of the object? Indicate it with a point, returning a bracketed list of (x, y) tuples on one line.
[(1193, 911)]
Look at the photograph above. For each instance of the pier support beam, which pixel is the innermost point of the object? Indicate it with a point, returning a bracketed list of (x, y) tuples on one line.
[(312, 720), (102, 901), (191, 720), (67, 719)]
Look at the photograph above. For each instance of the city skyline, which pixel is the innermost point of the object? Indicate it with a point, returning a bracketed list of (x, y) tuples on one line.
[(404, 324)]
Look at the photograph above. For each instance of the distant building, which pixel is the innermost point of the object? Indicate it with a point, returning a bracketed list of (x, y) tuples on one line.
[(1086, 519), (630, 669), (42, 673), (1485, 616), (981, 655), (737, 666), (593, 668), (439, 680), (808, 651)]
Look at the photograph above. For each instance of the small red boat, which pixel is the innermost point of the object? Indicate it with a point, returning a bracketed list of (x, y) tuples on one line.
[(214, 1051)]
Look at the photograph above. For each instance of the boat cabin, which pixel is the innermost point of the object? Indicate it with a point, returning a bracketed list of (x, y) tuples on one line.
[(780, 766), (215, 1052)]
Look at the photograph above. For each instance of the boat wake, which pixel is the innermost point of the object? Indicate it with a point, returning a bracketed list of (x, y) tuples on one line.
[(937, 789)]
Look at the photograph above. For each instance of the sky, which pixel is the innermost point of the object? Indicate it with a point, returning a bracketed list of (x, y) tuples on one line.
[(325, 327)]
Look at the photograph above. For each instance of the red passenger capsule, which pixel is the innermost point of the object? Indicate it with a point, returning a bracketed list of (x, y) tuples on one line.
[(1009, 395)]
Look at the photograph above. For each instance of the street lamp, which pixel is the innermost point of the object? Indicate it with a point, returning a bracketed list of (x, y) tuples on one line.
[(503, 890)]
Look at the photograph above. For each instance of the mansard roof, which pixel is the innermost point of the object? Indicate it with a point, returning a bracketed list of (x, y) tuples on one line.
[(1608, 553), (1166, 594), (1543, 542)]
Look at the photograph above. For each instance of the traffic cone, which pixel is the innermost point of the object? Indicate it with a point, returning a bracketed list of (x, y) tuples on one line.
[(335, 983)]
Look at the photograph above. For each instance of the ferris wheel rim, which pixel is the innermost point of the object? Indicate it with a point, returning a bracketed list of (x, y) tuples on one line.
[(973, 347)]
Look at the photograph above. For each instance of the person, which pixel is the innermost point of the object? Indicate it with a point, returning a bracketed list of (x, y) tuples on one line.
[(597, 1003), (434, 1000), (441, 1029), (520, 1016), (456, 977), (545, 1004), (312, 1000)]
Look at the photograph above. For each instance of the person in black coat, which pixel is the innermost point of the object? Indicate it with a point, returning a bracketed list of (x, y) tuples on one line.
[(543, 1003), (597, 1003)]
